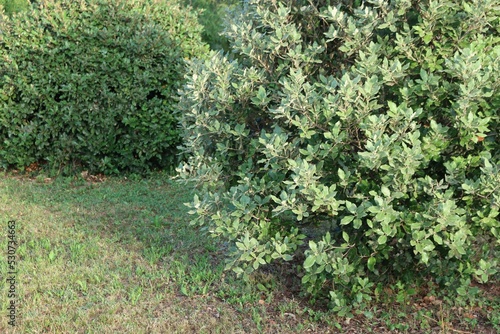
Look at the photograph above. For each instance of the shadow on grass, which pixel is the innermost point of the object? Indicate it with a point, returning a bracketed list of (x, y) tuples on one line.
[(90, 249), (148, 211), (150, 216)]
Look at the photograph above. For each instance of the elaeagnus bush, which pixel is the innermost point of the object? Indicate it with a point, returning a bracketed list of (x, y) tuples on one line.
[(361, 137)]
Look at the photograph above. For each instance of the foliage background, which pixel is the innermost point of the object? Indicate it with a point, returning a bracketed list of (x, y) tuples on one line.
[(212, 16), (14, 6), (94, 83)]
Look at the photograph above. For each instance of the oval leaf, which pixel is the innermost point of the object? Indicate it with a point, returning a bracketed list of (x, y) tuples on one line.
[(309, 262)]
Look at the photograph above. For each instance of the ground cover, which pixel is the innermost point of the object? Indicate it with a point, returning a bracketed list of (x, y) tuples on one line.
[(117, 255)]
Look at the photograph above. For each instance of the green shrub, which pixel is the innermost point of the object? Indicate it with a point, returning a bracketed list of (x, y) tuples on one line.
[(14, 6), (94, 82), (361, 137), (213, 13)]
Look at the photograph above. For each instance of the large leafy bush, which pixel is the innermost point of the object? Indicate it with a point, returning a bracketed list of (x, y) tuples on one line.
[(364, 137), (94, 82)]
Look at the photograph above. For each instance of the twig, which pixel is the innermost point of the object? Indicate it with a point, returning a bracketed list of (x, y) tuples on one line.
[(449, 328)]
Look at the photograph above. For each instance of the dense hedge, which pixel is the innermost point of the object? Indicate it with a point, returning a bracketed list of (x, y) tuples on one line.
[(212, 17), (14, 6), (368, 128), (94, 82)]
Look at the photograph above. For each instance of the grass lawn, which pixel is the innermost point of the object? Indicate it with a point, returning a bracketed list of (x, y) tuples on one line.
[(117, 255)]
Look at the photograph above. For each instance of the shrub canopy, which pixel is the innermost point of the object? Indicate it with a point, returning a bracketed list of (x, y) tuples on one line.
[(13, 6), (362, 138), (94, 82), (212, 16)]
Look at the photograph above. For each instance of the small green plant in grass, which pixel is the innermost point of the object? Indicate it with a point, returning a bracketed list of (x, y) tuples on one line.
[(257, 317), (77, 250), (82, 285), (157, 222), (494, 317), (46, 244), (53, 254), (154, 253), (135, 294)]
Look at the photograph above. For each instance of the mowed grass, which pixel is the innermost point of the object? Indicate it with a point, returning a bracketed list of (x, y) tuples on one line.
[(119, 256)]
